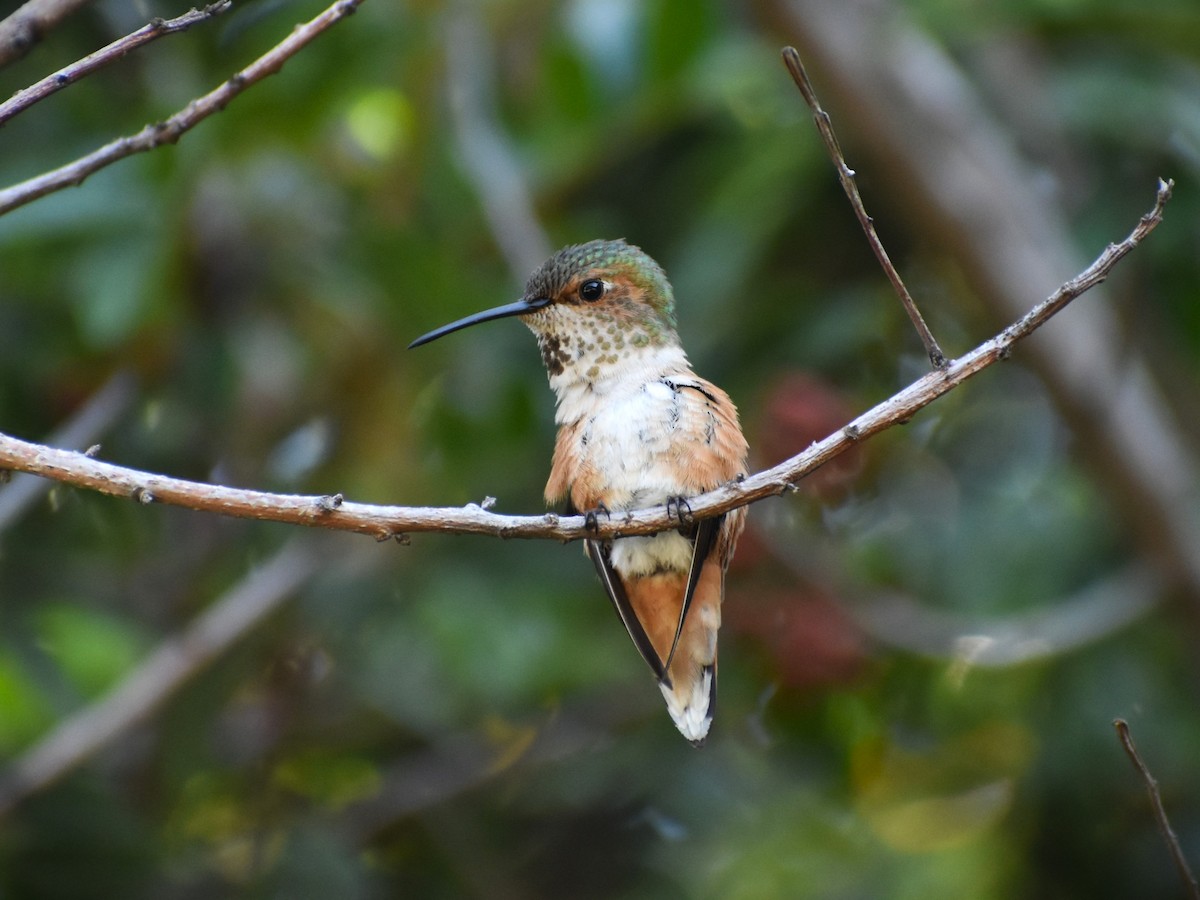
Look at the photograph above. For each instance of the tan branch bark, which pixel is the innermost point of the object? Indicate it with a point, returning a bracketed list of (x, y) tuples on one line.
[(81, 68), (392, 521), (173, 128)]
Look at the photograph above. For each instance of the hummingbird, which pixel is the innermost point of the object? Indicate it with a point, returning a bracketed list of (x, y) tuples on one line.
[(637, 428)]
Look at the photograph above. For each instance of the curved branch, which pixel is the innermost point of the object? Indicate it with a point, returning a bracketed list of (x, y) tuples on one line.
[(385, 522), (173, 128)]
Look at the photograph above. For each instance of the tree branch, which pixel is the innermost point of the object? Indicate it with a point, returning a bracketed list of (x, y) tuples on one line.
[(29, 24), (845, 175), (955, 172), (172, 664), (81, 68), (385, 522), (1160, 813), (172, 129)]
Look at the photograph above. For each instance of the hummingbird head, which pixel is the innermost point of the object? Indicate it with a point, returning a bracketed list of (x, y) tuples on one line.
[(590, 304)]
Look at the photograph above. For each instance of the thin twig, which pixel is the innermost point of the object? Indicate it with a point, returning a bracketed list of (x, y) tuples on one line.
[(393, 521), (30, 22), (1160, 813), (26, 97), (170, 130), (791, 59), (172, 664)]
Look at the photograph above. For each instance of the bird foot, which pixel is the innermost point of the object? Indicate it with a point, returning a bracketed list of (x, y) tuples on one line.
[(590, 517), (679, 508)]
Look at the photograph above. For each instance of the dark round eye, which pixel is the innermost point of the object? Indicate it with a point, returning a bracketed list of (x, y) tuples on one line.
[(591, 290)]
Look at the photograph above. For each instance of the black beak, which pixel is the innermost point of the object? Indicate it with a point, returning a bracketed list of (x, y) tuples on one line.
[(520, 308)]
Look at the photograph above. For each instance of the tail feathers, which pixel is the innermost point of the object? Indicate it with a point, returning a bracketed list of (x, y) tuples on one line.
[(692, 702)]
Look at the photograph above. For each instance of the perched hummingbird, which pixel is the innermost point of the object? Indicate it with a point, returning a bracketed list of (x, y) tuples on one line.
[(637, 428)]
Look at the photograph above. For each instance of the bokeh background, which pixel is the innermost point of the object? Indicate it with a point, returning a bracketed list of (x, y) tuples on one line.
[(924, 648)]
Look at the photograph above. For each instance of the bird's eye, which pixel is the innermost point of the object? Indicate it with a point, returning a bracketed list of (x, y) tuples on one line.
[(591, 290)]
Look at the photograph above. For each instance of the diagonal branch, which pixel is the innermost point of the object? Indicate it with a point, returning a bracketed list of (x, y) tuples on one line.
[(26, 97), (393, 521), (172, 664), (172, 129)]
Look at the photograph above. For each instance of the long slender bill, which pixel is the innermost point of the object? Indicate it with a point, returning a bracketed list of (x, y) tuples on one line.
[(520, 308)]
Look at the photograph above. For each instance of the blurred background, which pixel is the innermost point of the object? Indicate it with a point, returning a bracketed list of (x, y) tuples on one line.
[(924, 648)]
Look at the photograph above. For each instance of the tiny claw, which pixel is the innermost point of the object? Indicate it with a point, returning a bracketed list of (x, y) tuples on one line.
[(682, 510), (590, 517)]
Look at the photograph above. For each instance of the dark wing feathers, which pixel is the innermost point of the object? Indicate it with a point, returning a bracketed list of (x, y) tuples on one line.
[(599, 552)]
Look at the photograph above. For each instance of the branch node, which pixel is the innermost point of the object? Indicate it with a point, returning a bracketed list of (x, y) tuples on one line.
[(852, 432), (329, 503), (92, 452), (402, 539), (488, 502), (143, 495)]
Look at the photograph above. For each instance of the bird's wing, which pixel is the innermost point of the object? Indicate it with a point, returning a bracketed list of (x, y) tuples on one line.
[(599, 552)]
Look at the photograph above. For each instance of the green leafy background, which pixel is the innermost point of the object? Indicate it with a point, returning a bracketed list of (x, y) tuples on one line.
[(464, 716)]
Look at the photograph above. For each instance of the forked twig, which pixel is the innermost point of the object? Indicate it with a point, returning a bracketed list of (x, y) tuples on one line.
[(1160, 813), (26, 97), (384, 522), (791, 59)]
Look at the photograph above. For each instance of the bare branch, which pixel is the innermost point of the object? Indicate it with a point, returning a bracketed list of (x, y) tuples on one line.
[(26, 97), (1160, 813), (170, 130), (392, 521), (791, 59), (29, 24)]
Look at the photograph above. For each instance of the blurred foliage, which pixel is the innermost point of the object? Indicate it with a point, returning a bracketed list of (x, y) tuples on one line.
[(463, 716)]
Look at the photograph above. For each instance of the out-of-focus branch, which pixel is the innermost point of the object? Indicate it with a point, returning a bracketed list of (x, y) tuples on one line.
[(29, 24), (176, 661), (85, 427), (389, 521), (172, 129), (487, 158), (956, 172), (26, 97), (1056, 626)]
